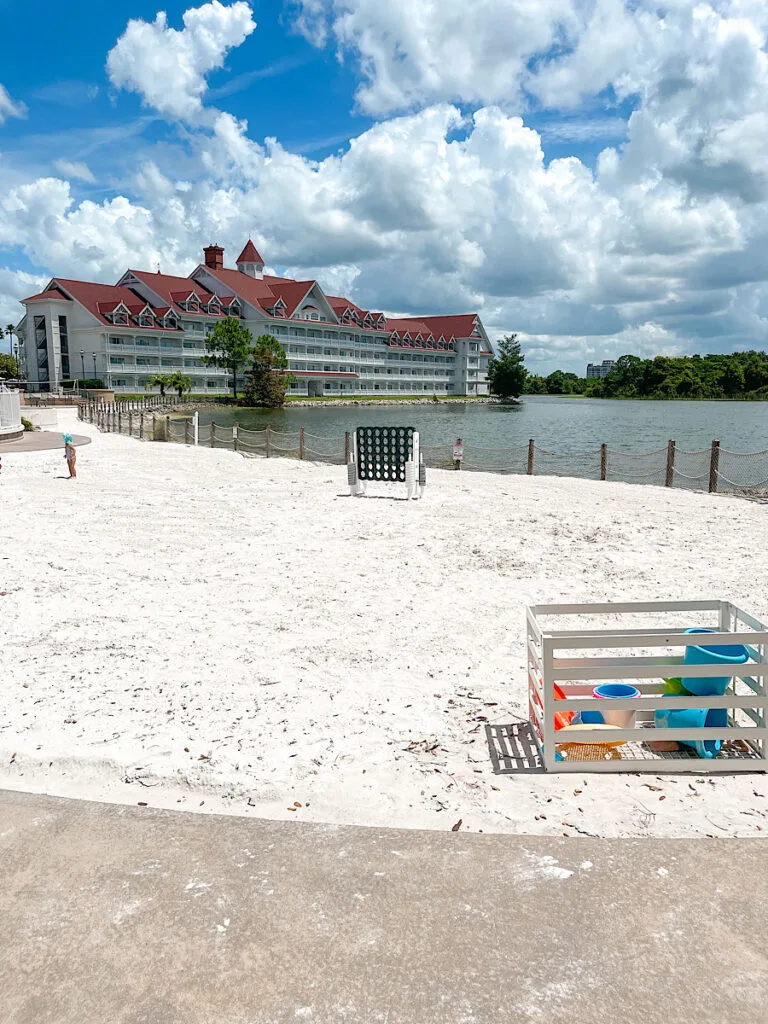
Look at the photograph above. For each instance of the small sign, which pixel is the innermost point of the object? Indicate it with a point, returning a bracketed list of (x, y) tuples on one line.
[(458, 450)]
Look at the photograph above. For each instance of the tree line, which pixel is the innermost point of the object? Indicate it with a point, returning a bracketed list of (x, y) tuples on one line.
[(738, 375)]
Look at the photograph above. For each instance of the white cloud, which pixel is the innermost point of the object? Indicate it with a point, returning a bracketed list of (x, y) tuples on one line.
[(15, 285), (661, 248), (9, 107), (75, 169), (412, 52), (167, 66)]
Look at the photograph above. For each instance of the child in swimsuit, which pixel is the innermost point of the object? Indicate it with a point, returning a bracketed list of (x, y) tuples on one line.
[(70, 455)]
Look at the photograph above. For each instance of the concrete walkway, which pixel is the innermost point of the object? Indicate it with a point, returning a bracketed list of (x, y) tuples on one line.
[(40, 441), (115, 915)]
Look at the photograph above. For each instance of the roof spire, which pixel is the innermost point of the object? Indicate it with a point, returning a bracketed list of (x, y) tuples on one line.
[(250, 262)]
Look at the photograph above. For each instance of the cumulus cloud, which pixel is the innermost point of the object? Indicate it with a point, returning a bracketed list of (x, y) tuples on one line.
[(9, 107), (660, 247), (167, 66), (413, 52)]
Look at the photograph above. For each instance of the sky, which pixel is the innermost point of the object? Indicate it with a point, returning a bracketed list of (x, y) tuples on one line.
[(591, 174)]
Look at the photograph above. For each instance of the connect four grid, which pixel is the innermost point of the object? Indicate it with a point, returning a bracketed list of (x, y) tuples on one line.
[(382, 452)]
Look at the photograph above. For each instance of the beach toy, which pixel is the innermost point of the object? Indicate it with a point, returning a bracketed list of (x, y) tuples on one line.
[(695, 718), (621, 718), (562, 718), (702, 654), (675, 688), (574, 749)]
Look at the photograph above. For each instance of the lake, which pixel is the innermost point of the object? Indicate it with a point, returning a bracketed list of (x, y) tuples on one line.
[(559, 424)]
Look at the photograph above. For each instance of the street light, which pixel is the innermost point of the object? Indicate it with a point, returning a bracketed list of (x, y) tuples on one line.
[(94, 365), (82, 365)]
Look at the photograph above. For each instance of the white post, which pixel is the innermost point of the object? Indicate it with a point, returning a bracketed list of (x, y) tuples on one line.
[(196, 423)]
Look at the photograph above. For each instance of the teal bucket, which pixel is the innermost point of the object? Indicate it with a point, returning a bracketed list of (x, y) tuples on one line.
[(695, 718), (703, 654)]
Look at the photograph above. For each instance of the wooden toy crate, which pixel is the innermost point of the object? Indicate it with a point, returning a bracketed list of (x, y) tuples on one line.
[(644, 643)]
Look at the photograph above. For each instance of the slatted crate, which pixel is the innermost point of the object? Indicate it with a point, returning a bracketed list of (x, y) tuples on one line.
[(612, 642)]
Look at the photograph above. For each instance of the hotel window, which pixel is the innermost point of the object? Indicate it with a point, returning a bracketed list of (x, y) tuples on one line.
[(211, 384), (116, 361)]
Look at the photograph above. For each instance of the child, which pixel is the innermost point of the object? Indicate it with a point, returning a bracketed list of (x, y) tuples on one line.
[(70, 455)]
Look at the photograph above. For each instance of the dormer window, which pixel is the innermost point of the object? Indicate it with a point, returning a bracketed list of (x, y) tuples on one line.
[(192, 304), (170, 321), (234, 308), (146, 320), (214, 306)]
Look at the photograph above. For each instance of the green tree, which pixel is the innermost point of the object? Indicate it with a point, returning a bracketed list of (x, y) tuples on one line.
[(9, 367), (179, 383), (267, 379), (160, 380), (10, 330), (507, 373), (625, 375), (535, 385), (229, 347)]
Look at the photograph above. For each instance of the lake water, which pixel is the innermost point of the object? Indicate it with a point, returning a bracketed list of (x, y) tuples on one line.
[(556, 423)]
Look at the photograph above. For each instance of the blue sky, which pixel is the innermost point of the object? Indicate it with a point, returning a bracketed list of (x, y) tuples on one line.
[(589, 175)]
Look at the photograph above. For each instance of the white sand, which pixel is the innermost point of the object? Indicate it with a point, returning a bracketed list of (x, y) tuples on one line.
[(197, 630)]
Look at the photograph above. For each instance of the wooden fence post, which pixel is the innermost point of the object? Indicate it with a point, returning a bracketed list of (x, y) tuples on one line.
[(211, 443), (714, 464), (234, 437), (130, 423), (301, 442), (669, 480), (531, 450), (347, 447), (119, 421), (268, 439), (186, 431), (167, 428), (603, 461), (141, 426)]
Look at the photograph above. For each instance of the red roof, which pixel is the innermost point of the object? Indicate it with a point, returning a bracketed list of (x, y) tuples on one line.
[(291, 292), (49, 293), (171, 289), (250, 254), (98, 297)]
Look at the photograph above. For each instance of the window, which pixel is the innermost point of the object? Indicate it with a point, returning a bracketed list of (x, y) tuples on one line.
[(116, 341), (327, 369), (145, 320), (116, 361)]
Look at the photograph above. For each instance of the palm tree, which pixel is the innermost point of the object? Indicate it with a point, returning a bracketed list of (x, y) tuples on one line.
[(159, 380), (10, 330), (179, 383)]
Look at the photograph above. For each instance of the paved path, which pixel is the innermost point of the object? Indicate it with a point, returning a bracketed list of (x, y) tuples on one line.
[(127, 915), (40, 441)]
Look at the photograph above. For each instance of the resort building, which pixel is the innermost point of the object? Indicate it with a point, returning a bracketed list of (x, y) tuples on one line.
[(150, 323), (600, 369)]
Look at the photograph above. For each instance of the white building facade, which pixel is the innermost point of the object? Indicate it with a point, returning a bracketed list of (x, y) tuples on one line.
[(152, 323)]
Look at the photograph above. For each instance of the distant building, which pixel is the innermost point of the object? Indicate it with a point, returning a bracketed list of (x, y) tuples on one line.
[(600, 369), (150, 323)]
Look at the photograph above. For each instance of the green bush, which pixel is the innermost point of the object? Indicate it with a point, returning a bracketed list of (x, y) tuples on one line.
[(27, 424)]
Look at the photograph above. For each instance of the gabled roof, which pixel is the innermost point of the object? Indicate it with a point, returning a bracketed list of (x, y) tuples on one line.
[(97, 298), (250, 254), (291, 292), (167, 286), (51, 292)]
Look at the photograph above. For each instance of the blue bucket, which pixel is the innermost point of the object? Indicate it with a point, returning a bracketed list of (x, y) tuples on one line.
[(695, 718), (731, 654)]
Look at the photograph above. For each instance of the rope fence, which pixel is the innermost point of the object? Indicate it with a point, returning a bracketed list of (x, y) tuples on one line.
[(712, 469)]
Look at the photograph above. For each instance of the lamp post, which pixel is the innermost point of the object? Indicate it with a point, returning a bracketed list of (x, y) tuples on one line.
[(82, 364), (94, 365)]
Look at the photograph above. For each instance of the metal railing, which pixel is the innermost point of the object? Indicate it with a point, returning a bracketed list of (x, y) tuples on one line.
[(714, 469)]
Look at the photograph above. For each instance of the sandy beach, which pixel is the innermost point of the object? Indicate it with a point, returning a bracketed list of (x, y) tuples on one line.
[(193, 629)]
